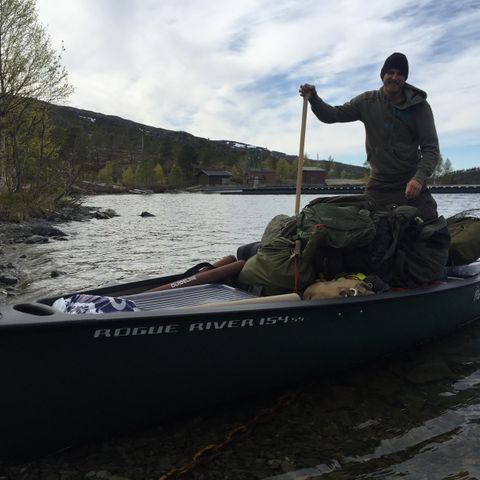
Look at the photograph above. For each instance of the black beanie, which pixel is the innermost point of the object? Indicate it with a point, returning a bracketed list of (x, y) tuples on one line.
[(396, 61)]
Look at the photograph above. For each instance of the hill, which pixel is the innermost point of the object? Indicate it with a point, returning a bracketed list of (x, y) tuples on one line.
[(90, 140)]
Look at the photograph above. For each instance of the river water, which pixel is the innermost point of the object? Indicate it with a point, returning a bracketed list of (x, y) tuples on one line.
[(186, 229), (414, 416)]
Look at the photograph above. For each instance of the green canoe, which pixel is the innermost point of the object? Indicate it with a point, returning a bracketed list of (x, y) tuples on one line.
[(67, 379)]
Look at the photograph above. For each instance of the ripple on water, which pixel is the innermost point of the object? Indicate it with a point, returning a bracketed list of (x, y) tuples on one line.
[(397, 428), (187, 228)]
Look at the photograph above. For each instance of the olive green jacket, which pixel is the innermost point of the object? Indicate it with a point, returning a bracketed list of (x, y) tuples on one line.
[(401, 140)]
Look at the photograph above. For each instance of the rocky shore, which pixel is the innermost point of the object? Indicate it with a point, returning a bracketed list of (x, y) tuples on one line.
[(36, 231)]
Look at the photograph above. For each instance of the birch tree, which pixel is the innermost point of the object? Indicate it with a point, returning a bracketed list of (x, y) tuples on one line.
[(31, 73)]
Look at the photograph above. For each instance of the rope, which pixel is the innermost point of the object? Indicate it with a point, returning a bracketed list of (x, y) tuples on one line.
[(209, 452), (295, 274), (295, 254)]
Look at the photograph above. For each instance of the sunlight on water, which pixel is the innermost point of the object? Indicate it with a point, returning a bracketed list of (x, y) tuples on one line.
[(187, 229)]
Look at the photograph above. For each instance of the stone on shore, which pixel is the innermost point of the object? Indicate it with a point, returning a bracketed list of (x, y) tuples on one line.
[(47, 230), (36, 239), (106, 214), (7, 279)]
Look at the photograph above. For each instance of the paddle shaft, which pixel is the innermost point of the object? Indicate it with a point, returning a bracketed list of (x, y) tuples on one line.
[(300, 156)]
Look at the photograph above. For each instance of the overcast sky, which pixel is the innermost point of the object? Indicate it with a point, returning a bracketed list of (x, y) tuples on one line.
[(230, 69)]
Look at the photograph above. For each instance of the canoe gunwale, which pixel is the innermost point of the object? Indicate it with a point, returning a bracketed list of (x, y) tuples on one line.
[(11, 318)]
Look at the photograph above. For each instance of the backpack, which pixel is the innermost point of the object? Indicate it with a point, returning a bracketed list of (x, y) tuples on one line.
[(338, 226), (408, 251), (285, 260), (464, 229), (280, 265)]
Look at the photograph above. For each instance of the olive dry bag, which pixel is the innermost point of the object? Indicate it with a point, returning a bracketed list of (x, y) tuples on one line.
[(464, 240)]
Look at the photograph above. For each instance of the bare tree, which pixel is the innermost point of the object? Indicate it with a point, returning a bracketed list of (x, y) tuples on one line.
[(30, 72)]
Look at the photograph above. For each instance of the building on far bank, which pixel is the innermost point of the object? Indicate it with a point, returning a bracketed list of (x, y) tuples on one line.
[(213, 177), (255, 177), (313, 176)]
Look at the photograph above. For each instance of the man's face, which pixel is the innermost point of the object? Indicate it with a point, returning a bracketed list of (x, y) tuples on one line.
[(393, 81)]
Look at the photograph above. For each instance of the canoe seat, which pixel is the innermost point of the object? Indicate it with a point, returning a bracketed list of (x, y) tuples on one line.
[(188, 296)]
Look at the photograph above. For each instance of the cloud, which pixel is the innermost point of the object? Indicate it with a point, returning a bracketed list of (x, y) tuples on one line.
[(231, 70)]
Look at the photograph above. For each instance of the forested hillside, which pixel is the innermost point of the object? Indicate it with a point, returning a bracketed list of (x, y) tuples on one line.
[(106, 147), (46, 149)]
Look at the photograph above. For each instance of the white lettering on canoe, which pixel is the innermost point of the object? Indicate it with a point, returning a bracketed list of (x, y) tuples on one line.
[(127, 332), (197, 326), (248, 321), (103, 332), (140, 331), (122, 332), (183, 281)]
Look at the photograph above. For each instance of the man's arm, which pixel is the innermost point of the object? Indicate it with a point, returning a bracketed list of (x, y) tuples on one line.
[(428, 144), (429, 152), (349, 112)]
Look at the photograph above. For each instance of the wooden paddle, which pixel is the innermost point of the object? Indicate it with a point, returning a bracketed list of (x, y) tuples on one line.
[(300, 156)]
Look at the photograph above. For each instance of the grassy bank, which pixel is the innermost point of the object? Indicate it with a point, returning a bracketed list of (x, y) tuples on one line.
[(22, 206)]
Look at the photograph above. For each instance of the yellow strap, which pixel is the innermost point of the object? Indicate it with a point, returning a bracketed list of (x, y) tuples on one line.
[(354, 276)]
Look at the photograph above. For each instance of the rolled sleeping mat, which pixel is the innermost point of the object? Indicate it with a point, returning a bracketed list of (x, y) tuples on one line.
[(223, 261), (205, 276)]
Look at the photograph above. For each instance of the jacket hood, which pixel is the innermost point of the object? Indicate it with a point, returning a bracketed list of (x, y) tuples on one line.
[(413, 96)]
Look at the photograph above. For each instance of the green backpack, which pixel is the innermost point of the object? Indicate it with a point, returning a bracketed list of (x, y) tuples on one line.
[(464, 231), (275, 267), (338, 226), (285, 259)]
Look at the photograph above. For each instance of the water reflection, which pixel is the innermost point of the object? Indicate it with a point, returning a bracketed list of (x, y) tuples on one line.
[(416, 416)]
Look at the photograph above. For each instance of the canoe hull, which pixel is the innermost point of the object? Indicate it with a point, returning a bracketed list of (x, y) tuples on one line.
[(66, 382)]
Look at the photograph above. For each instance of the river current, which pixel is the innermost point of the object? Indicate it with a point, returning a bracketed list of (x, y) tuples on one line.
[(412, 417), (186, 229)]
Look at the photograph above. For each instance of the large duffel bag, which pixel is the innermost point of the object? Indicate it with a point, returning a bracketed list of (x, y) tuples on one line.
[(408, 251), (464, 231)]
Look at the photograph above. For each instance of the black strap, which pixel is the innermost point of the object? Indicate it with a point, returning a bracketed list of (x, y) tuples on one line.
[(196, 268)]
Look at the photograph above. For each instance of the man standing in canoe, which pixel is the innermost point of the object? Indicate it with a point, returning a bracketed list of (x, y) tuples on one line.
[(401, 140)]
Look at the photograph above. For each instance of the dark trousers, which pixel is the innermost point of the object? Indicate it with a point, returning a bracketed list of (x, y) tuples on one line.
[(387, 195)]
